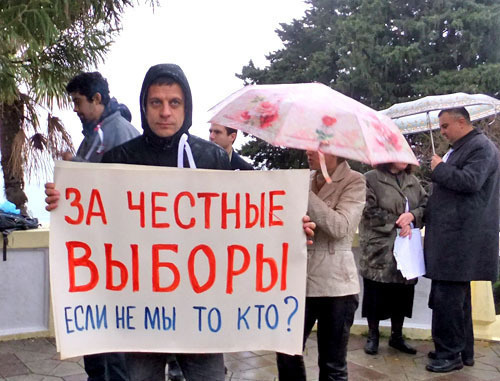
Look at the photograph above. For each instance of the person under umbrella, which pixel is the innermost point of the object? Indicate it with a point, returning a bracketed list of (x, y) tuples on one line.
[(332, 279), (461, 238)]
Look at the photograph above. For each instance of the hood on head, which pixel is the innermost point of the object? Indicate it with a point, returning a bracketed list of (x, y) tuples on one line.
[(124, 110), (175, 72)]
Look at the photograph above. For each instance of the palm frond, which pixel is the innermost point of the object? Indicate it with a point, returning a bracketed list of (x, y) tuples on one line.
[(42, 45), (58, 139)]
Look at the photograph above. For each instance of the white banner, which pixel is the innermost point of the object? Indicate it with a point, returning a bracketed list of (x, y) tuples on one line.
[(162, 259)]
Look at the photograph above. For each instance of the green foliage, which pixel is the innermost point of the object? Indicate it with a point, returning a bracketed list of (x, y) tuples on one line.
[(382, 52), (260, 151), (43, 43)]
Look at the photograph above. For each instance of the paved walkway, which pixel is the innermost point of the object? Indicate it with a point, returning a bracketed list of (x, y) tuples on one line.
[(37, 360)]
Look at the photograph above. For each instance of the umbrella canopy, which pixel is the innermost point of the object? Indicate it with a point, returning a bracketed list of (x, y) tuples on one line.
[(312, 116), (411, 117)]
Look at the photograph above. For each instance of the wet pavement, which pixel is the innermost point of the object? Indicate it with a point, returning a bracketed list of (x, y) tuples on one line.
[(37, 360)]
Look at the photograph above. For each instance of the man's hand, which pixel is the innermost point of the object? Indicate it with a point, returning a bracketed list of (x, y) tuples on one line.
[(309, 227), (405, 219), (67, 156), (435, 161), (53, 196)]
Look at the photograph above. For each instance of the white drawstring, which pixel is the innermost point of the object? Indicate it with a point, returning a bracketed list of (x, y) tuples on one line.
[(100, 149), (184, 146), (97, 139)]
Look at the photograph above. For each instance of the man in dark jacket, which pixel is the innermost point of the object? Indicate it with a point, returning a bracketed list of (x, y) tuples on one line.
[(166, 112), (106, 124), (461, 237), (225, 137), (166, 109)]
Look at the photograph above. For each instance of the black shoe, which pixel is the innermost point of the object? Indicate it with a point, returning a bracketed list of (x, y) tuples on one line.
[(175, 372), (444, 365), (401, 345), (468, 362), (175, 377), (371, 346), (465, 361)]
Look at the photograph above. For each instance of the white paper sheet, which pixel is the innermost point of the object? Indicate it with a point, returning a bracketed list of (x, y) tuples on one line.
[(409, 254)]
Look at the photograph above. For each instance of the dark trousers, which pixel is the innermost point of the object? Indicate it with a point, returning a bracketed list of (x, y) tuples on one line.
[(105, 366), (143, 366), (452, 329), (334, 317)]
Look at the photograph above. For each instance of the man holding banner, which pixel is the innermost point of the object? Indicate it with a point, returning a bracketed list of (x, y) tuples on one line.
[(166, 109)]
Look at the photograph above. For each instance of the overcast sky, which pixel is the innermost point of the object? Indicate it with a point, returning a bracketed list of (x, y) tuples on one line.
[(210, 40)]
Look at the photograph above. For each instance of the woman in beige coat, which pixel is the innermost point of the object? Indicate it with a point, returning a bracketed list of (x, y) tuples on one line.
[(386, 293), (332, 279)]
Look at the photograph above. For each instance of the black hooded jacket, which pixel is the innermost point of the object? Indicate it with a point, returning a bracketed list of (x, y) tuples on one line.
[(150, 149)]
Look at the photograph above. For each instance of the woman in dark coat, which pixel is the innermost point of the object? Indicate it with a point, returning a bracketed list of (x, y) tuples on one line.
[(387, 294)]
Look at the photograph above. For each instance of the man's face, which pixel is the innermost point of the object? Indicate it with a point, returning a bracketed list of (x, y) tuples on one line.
[(452, 126), (87, 111), (165, 109), (219, 135)]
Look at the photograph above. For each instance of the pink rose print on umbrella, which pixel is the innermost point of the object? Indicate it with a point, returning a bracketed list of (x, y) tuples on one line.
[(393, 139), (324, 133), (268, 113), (328, 120), (386, 135), (245, 115), (261, 113)]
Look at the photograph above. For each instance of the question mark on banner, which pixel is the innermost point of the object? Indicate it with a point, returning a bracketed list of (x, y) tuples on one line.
[(294, 310)]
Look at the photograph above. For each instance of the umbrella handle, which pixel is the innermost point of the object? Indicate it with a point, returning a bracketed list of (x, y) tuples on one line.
[(495, 118), (324, 170), (430, 131)]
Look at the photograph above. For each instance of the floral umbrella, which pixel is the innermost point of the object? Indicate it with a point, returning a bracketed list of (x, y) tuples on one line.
[(312, 116), (422, 114)]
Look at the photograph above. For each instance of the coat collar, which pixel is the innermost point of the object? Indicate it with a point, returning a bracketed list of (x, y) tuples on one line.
[(464, 139), (390, 180), (340, 173)]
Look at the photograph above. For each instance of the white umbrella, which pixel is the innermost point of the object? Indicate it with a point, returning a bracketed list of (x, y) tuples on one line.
[(422, 114)]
